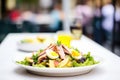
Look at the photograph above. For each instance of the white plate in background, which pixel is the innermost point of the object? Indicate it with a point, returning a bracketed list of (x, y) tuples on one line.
[(31, 46), (35, 46)]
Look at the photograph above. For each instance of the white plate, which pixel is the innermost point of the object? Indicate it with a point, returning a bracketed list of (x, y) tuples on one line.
[(31, 46), (58, 71), (35, 46)]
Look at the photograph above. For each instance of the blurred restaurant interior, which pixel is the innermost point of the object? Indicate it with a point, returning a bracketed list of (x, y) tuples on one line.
[(99, 19)]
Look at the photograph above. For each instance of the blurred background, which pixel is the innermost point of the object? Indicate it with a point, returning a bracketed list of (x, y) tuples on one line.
[(99, 19)]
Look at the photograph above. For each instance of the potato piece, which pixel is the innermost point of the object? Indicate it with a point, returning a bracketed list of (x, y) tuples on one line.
[(51, 64), (29, 59), (64, 62)]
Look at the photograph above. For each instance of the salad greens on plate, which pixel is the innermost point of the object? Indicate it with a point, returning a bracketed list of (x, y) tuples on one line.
[(58, 56)]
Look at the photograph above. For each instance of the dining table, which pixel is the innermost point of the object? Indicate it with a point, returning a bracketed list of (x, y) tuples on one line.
[(108, 68)]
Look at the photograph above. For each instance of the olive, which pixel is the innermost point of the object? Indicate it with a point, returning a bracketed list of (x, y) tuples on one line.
[(81, 60)]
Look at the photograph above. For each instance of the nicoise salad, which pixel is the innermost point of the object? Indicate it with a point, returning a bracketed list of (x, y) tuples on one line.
[(58, 56)]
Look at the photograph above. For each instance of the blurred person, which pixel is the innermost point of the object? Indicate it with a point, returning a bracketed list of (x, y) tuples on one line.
[(85, 12), (12, 19), (108, 18), (117, 19), (97, 20), (28, 19), (42, 17), (57, 15), (27, 14), (15, 15)]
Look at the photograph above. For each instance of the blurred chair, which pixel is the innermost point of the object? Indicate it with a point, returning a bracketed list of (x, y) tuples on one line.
[(60, 27), (116, 30), (29, 27), (47, 28), (97, 30), (44, 28), (4, 30), (11, 26), (116, 37)]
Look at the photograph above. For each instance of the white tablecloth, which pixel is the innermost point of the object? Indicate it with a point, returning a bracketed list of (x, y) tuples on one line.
[(109, 68)]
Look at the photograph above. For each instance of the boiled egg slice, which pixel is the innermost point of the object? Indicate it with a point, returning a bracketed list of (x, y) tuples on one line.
[(75, 54), (52, 54)]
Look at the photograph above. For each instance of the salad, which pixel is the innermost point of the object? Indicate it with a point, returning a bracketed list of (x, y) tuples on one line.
[(33, 40), (58, 56)]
